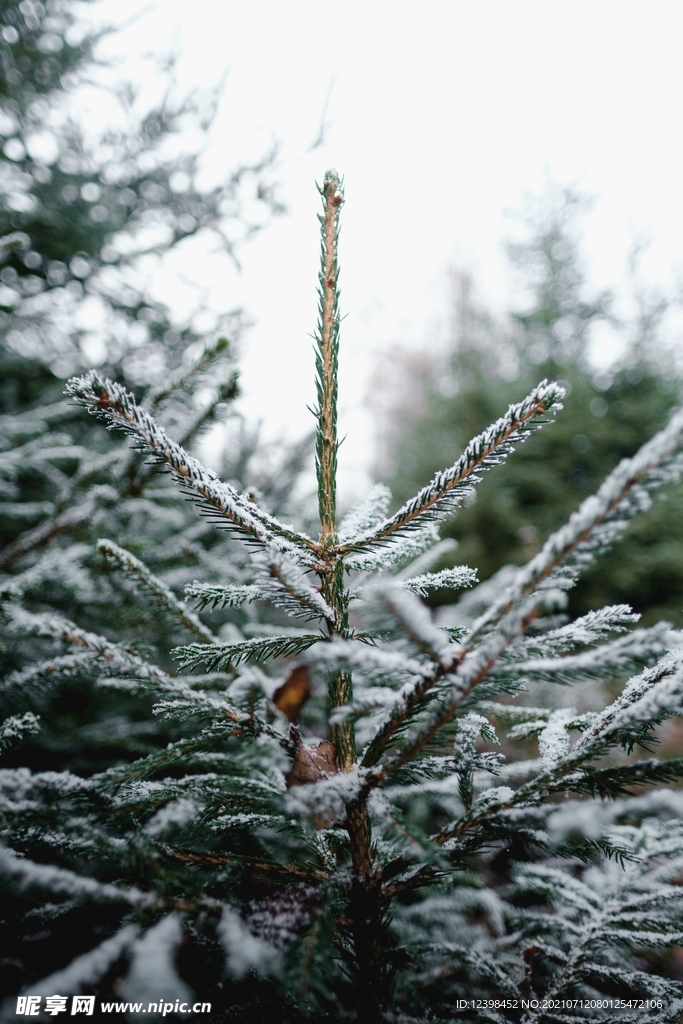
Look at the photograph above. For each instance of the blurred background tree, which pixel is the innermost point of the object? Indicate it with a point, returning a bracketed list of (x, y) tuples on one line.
[(89, 208), (84, 215), (85, 218), (87, 212), (608, 415)]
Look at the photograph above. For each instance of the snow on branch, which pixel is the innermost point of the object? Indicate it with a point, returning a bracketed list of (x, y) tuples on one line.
[(137, 571), (425, 561), (14, 728), (665, 696), (282, 580), (22, 790), (213, 595), (371, 662), (667, 674), (415, 621), (457, 578), (600, 519), (397, 551), (590, 921), (152, 967), (366, 515), (116, 660), (449, 488), (117, 407), (642, 646), (35, 675), (462, 669), (621, 495), (220, 656), (88, 968), (591, 818), (27, 873), (244, 950), (587, 630)]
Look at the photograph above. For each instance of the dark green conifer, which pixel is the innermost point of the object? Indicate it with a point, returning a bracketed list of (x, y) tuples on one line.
[(287, 790)]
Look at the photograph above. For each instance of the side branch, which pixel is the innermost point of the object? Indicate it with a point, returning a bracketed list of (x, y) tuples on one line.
[(117, 407), (621, 495), (136, 570), (466, 670), (449, 487)]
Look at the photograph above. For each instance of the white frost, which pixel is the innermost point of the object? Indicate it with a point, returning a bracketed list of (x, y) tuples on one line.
[(88, 968), (178, 812), (153, 976), (244, 950)]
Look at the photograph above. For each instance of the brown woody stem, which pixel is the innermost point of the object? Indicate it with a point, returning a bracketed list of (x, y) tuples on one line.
[(367, 904)]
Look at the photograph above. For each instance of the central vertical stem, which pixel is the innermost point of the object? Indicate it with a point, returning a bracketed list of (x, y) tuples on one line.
[(327, 367), (327, 359), (367, 907)]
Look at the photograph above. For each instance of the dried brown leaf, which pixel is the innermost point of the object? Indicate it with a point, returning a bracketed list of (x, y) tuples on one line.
[(294, 692)]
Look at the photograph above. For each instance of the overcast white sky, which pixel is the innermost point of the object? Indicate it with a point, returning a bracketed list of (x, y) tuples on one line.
[(441, 116)]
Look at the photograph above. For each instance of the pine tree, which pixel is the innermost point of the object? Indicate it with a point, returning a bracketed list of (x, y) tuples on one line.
[(80, 210), (317, 820), (491, 362), (79, 214)]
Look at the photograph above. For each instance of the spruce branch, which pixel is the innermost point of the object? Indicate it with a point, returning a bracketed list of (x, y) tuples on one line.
[(464, 668), (573, 772), (136, 570), (61, 881), (14, 728), (457, 578), (286, 584), (599, 520), (270, 869), (117, 408), (221, 656), (226, 391), (214, 595), (88, 968), (73, 507), (449, 488), (622, 495), (117, 659), (662, 680)]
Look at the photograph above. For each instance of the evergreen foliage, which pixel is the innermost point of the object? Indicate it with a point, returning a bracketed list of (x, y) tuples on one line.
[(607, 416), (321, 822), (85, 211)]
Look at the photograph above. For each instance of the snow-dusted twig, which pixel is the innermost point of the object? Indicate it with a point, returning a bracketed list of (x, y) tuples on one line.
[(458, 577), (118, 660), (600, 519), (448, 488), (118, 408), (136, 570), (220, 656), (285, 583)]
